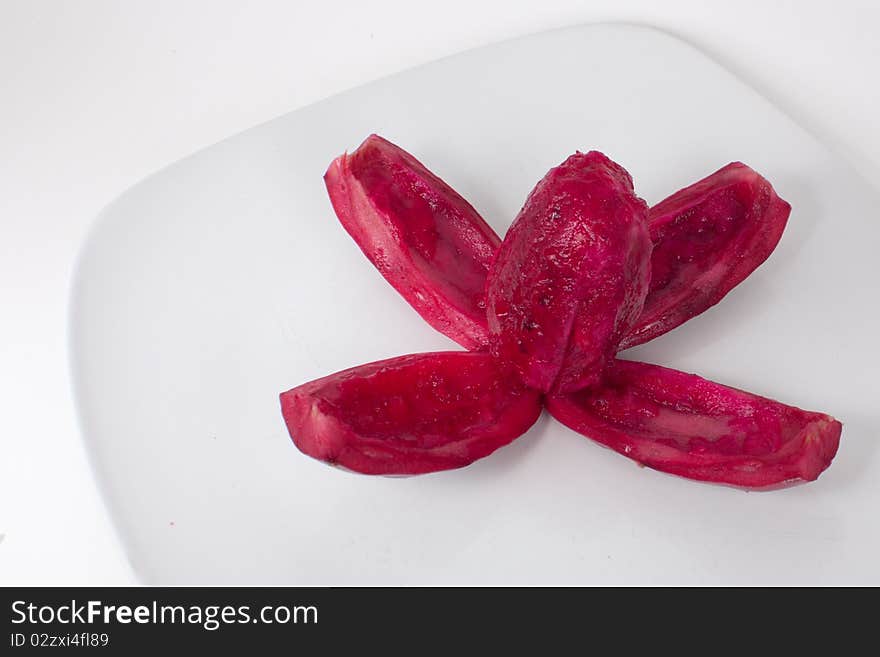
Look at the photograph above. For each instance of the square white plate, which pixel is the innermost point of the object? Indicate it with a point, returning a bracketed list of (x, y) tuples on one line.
[(224, 279)]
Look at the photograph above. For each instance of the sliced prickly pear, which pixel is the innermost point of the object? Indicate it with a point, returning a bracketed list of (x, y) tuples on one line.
[(708, 238), (411, 414), (691, 427), (424, 238), (571, 275)]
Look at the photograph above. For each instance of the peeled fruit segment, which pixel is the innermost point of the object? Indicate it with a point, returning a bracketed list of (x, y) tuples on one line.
[(424, 238), (691, 427), (409, 415), (707, 238), (571, 275)]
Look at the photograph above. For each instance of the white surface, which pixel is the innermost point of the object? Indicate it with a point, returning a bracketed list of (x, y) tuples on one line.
[(95, 95), (225, 279)]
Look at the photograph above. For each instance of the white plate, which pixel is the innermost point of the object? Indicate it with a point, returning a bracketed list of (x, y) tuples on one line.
[(212, 286)]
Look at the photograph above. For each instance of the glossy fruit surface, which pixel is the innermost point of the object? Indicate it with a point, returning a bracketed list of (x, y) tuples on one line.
[(688, 426), (707, 239), (409, 415), (571, 276), (584, 271), (424, 238)]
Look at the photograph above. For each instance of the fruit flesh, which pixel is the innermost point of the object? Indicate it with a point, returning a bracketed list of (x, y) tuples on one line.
[(571, 275), (574, 281), (688, 426), (409, 415), (707, 239), (424, 238)]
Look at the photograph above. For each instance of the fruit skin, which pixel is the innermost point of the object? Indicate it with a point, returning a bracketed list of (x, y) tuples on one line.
[(424, 238), (688, 426), (707, 238), (580, 248), (571, 275), (409, 415)]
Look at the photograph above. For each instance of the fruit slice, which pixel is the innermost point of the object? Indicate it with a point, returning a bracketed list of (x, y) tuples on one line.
[(409, 415), (424, 238), (571, 275), (707, 238), (688, 426)]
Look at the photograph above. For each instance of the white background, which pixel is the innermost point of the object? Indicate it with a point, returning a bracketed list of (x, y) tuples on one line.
[(96, 95)]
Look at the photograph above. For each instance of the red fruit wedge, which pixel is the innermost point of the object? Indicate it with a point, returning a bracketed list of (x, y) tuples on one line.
[(424, 238), (409, 415), (571, 275), (707, 238), (691, 427)]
